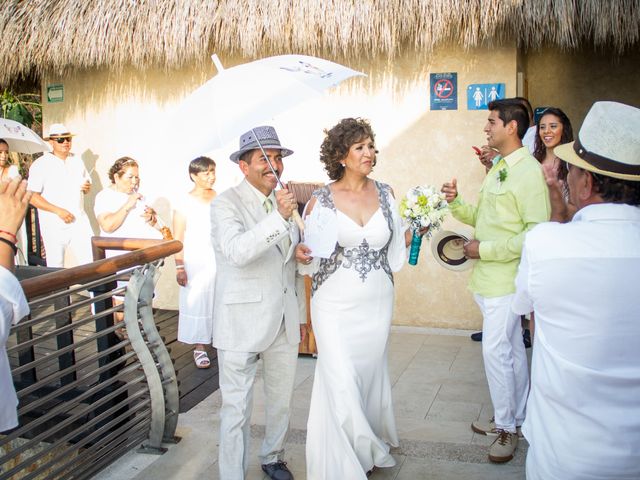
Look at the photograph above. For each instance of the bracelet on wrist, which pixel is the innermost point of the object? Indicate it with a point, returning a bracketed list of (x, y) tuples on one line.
[(11, 244), (179, 267), (11, 235)]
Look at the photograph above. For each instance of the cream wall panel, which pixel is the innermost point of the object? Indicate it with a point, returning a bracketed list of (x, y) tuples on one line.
[(128, 113)]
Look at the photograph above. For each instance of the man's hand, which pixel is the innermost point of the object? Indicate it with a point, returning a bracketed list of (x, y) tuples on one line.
[(286, 203), (471, 249), (487, 155), (65, 215), (181, 277), (303, 254), (85, 187), (450, 190)]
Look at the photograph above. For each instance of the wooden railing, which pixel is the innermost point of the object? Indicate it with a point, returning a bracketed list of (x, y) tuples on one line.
[(85, 395)]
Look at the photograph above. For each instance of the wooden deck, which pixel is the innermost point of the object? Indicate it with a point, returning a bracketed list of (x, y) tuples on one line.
[(194, 384)]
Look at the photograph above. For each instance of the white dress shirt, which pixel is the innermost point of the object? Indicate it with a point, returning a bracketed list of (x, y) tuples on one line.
[(13, 307), (582, 279)]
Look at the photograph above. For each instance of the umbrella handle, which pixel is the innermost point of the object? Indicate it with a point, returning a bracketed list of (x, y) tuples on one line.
[(298, 219)]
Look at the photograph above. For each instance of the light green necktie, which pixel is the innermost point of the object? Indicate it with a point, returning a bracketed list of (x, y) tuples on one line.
[(268, 205)]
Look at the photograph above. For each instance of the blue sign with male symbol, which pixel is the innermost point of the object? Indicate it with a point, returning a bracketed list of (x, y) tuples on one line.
[(480, 94)]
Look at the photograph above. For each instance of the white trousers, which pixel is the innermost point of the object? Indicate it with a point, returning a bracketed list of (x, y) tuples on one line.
[(76, 237), (505, 361), (237, 374)]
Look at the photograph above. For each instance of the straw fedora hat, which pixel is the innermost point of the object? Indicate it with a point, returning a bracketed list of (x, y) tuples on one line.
[(608, 142), (447, 248)]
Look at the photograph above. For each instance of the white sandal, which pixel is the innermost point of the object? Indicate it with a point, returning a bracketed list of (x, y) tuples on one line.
[(201, 359)]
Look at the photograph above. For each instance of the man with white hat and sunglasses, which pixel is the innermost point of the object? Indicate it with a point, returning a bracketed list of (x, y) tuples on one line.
[(583, 278), (258, 304), (59, 181)]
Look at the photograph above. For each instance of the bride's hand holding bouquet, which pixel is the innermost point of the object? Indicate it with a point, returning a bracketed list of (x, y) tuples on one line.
[(424, 208)]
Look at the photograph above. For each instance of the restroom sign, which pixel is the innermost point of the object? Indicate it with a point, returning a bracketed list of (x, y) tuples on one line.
[(479, 95), (444, 91)]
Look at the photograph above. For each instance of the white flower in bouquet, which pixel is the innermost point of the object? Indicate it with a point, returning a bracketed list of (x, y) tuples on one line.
[(424, 206)]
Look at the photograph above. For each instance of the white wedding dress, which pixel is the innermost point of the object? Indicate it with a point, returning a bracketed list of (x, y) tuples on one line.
[(351, 422)]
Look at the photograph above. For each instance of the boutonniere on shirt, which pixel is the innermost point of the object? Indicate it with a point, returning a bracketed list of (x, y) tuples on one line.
[(502, 174)]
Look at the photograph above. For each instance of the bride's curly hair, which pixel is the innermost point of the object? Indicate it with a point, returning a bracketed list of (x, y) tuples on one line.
[(337, 142)]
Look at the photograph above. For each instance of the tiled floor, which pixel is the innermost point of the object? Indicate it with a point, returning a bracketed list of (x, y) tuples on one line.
[(439, 389)]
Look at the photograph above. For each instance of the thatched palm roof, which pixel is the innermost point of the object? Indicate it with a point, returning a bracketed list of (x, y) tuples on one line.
[(56, 35)]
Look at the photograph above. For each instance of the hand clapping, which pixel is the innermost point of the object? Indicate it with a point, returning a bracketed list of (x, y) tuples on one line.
[(14, 199)]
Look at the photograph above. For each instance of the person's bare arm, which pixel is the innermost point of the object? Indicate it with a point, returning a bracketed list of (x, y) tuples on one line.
[(179, 225), (41, 203), (111, 221)]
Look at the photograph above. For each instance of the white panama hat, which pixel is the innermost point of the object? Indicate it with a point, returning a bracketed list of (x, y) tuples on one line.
[(58, 130), (447, 248), (608, 142)]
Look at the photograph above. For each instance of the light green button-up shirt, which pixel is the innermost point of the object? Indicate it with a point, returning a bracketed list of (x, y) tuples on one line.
[(506, 210)]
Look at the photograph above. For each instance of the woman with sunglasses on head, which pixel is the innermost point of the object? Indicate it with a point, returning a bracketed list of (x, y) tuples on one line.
[(196, 263), (7, 169), (552, 129)]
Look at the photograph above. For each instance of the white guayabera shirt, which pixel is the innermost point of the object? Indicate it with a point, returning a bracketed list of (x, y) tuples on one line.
[(582, 280)]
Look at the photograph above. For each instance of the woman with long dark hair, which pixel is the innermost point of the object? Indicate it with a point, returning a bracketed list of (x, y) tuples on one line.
[(552, 129)]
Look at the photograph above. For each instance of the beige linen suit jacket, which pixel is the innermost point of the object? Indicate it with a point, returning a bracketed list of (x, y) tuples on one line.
[(256, 282)]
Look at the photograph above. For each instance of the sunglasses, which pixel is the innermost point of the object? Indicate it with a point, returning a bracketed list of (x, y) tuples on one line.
[(61, 139)]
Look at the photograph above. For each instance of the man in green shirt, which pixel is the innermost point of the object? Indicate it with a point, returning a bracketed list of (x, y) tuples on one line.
[(513, 199)]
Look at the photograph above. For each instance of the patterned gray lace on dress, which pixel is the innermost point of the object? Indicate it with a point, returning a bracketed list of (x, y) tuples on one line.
[(361, 258)]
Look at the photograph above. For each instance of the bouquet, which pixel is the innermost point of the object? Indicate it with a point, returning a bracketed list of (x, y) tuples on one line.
[(422, 207)]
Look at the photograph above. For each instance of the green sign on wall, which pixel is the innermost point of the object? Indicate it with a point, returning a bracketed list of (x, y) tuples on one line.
[(55, 93)]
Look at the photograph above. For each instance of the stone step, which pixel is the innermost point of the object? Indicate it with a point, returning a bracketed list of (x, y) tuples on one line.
[(435, 451)]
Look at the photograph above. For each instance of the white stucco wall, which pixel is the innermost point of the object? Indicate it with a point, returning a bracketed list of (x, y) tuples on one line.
[(128, 113)]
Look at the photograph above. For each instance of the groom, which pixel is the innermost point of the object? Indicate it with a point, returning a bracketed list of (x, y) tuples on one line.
[(257, 305)]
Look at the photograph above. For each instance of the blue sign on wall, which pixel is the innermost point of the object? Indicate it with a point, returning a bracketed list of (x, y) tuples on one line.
[(480, 94), (444, 91)]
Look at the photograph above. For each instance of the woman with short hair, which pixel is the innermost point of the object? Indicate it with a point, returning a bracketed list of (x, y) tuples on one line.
[(196, 263)]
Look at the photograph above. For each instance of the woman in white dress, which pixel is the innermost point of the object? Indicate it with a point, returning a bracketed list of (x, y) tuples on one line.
[(196, 263), (351, 423), (121, 212)]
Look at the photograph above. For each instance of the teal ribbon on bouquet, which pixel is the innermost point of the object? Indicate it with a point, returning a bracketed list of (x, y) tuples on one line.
[(414, 252)]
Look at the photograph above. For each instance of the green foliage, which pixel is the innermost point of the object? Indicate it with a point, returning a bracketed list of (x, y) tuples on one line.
[(22, 107)]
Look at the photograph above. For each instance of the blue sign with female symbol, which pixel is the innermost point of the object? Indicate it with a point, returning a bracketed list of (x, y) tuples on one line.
[(480, 94)]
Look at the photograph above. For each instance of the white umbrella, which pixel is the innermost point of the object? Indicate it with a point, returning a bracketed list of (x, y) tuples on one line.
[(247, 95), (20, 138)]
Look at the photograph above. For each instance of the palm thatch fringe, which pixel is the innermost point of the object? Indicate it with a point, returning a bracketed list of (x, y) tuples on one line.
[(57, 35)]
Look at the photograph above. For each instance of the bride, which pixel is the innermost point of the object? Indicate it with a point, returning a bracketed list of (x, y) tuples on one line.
[(351, 423)]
